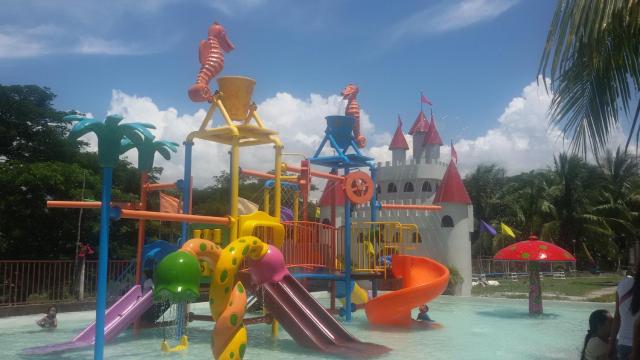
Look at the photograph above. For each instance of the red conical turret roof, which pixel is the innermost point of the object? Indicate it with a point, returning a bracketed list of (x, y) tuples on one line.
[(432, 137), (421, 125), (399, 142), (327, 194), (452, 188)]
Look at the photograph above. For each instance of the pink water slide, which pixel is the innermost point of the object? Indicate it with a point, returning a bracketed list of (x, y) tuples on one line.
[(118, 317)]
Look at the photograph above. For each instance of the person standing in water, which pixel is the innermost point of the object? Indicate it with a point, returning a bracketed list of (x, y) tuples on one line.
[(627, 311), (49, 321), (596, 342), (423, 313)]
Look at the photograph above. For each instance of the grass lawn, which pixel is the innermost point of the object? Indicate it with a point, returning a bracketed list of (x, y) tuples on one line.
[(581, 285)]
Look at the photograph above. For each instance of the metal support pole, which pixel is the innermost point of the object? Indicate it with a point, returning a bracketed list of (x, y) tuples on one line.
[(144, 178), (347, 254), (373, 205), (103, 257), (186, 189), (186, 209)]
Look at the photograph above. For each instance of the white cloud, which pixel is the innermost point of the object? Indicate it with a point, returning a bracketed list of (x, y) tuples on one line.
[(96, 45), (449, 16), (300, 123), (25, 42), (523, 139), (234, 7)]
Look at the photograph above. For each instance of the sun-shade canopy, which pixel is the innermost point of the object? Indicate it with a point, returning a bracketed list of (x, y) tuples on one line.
[(533, 249)]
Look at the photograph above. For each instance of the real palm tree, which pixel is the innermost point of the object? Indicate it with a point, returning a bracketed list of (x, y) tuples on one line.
[(572, 220), (110, 133), (147, 150), (619, 200), (592, 56)]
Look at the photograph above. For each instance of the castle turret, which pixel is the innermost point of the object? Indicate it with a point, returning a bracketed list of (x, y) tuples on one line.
[(432, 142), (332, 194), (418, 130), (398, 146), (456, 224)]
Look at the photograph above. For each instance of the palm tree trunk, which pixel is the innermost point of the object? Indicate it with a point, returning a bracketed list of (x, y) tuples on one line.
[(103, 257)]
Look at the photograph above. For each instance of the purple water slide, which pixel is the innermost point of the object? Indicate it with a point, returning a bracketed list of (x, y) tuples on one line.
[(309, 323), (118, 317)]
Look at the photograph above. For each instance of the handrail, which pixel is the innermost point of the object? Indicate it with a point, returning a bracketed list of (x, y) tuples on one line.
[(320, 174), (153, 215)]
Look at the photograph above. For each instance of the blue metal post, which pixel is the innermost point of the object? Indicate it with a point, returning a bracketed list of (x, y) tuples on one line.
[(347, 254), (374, 217), (186, 201), (103, 257), (186, 189)]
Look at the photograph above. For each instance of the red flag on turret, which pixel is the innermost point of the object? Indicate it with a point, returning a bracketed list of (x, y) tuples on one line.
[(454, 154), (424, 100)]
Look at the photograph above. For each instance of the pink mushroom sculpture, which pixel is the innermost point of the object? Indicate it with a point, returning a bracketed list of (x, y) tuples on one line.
[(534, 251)]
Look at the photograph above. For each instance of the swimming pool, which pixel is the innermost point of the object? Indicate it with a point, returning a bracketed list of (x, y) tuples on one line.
[(474, 328)]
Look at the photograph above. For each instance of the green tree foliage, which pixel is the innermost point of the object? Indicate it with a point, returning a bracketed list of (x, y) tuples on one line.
[(38, 163), (592, 56), (575, 204)]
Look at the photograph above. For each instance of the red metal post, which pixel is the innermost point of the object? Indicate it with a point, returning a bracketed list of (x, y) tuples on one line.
[(144, 178)]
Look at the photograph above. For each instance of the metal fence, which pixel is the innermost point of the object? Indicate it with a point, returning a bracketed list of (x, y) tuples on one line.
[(48, 281), (487, 266), (309, 244)]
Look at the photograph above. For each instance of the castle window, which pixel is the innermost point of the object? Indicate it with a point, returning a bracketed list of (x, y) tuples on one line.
[(446, 222), (426, 186), (416, 238), (408, 187), (391, 188)]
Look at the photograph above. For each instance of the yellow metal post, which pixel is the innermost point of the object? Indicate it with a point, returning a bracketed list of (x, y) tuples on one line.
[(266, 200), (217, 236), (295, 206), (235, 179), (277, 186)]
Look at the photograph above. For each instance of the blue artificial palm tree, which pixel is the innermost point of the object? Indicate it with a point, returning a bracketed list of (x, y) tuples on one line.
[(110, 133)]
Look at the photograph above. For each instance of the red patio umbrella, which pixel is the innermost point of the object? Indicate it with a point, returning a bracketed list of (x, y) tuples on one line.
[(534, 251)]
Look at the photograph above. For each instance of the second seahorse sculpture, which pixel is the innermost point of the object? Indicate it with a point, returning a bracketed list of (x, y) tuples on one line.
[(353, 109)]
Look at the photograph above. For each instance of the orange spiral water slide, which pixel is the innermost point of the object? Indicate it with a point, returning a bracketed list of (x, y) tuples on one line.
[(424, 279)]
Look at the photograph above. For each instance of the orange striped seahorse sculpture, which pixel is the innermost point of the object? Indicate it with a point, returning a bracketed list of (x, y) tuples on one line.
[(353, 109), (211, 55)]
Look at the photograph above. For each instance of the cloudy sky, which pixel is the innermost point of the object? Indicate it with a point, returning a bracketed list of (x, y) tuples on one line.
[(477, 61)]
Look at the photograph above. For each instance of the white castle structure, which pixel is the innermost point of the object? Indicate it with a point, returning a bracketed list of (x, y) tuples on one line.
[(421, 179)]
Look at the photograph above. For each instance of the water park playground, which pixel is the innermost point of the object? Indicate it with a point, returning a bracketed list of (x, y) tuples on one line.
[(256, 267)]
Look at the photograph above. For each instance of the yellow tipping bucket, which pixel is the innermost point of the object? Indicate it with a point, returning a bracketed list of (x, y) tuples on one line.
[(236, 95)]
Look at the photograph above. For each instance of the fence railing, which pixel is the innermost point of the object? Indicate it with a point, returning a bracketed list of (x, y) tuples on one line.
[(309, 244), (373, 243), (48, 281), (496, 268)]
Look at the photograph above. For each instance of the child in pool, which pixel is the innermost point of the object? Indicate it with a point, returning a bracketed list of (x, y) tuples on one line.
[(49, 321), (422, 315), (597, 339)]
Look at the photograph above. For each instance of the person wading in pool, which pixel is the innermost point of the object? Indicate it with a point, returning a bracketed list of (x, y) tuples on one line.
[(49, 321), (597, 339), (423, 313), (627, 306)]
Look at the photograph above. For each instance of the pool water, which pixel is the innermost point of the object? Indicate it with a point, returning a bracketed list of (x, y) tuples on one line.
[(473, 328)]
